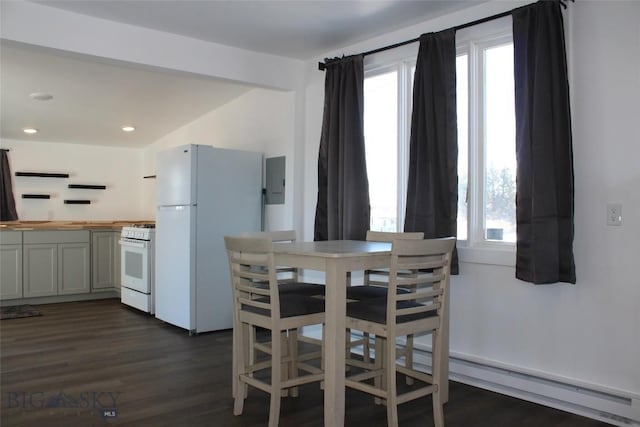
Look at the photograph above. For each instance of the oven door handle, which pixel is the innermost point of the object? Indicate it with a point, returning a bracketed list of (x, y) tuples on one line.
[(132, 244)]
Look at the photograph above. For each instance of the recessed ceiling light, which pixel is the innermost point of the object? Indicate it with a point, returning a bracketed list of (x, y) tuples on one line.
[(41, 96), (128, 128), (30, 131)]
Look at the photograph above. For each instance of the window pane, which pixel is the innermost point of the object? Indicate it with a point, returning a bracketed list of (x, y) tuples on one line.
[(381, 146), (500, 151), (462, 101)]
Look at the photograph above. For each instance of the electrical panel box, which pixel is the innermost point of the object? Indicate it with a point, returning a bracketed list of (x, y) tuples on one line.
[(275, 180)]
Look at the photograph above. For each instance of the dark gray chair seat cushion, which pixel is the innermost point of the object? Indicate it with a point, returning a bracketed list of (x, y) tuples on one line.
[(370, 292), (375, 310), (291, 305), (301, 288)]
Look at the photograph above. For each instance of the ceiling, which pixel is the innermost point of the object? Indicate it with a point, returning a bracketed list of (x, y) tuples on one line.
[(93, 98)]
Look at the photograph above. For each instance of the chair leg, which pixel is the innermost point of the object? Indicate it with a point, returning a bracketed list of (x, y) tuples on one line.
[(293, 363), (438, 412), (408, 357), (390, 380), (234, 359), (252, 351), (240, 388), (322, 356), (284, 370), (247, 350), (379, 382), (276, 372), (274, 410)]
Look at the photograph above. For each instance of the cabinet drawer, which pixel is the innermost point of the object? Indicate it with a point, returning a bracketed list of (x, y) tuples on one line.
[(10, 237), (71, 236)]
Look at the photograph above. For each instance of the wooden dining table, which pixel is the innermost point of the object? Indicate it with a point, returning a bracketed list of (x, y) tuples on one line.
[(337, 258)]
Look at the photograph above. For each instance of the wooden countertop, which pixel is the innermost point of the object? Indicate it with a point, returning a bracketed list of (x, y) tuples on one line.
[(68, 225)]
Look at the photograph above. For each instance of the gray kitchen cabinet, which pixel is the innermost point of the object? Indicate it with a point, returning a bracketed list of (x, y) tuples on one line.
[(74, 268), (105, 249), (56, 262), (40, 270), (10, 265)]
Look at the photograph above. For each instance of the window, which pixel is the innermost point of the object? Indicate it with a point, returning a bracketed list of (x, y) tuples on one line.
[(381, 147), (387, 115), (486, 142), (486, 139)]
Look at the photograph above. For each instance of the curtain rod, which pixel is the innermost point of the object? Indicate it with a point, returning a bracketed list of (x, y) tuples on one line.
[(322, 66)]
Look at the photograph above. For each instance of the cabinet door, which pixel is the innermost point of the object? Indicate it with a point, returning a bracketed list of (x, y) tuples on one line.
[(74, 264), (103, 260), (116, 259), (10, 271), (40, 270)]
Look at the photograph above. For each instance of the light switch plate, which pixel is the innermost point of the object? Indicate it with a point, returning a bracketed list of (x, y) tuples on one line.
[(614, 214)]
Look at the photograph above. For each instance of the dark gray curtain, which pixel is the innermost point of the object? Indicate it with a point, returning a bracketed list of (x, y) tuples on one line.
[(343, 210), (7, 202), (432, 190), (544, 190)]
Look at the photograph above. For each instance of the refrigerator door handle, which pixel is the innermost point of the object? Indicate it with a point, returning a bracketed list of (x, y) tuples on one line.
[(174, 207)]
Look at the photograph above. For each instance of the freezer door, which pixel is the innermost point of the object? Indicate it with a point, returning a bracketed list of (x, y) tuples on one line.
[(176, 176), (175, 265)]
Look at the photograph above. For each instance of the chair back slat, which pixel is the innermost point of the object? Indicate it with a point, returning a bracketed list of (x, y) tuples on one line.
[(416, 310), (406, 281), (253, 275), (253, 290), (254, 303), (419, 295)]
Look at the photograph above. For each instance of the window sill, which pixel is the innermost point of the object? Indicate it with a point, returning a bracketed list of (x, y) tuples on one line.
[(504, 256)]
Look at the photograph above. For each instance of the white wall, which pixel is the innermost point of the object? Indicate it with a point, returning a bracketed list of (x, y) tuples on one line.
[(588, 333), (261, 120), (117, 168)]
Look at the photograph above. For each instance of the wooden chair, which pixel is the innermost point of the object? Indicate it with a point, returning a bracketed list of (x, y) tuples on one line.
[(288, 283), (375, 286), (257, 305), (420, 311)]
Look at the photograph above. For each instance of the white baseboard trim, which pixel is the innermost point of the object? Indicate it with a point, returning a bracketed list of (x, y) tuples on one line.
[(601, 403)]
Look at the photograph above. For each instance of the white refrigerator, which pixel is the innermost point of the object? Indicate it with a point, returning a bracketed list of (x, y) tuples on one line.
[(202, 194)]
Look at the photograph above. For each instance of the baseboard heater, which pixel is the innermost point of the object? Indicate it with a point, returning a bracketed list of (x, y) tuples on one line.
[(611, 406), (615, 407)]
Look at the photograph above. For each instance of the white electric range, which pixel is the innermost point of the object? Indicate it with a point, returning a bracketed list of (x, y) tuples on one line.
[(138, 267)]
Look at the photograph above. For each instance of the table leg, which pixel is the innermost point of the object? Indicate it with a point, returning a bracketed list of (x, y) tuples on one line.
[(334, 364), (444, 366)]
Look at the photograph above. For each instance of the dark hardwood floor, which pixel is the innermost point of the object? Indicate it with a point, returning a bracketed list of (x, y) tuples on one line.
[(78, 360)]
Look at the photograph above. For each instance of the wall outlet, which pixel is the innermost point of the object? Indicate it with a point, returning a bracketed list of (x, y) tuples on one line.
[(614, 214)]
